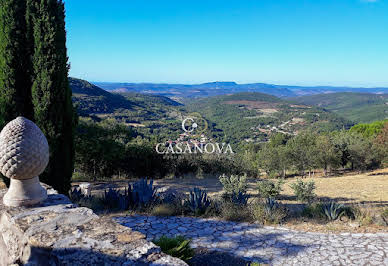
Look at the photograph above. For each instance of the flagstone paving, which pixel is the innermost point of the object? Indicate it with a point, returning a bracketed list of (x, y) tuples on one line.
[(269, 245)]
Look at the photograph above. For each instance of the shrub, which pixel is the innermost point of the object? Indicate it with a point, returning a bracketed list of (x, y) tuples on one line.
[(214, 209), (178, 247), (384, 216), (234, 184), (171, 197), (235, 188), (233, 212), (197, 201), (333, 210), (304, 191), (164, 210), (270, 189), (363, 214), (268, 212), (237, 199), (314, 211)]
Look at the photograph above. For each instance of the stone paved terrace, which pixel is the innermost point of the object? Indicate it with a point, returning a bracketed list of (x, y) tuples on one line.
[(59, 233), (269, 245)]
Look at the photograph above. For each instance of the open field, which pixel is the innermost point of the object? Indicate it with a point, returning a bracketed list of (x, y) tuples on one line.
[(369, 187), (367, 192)]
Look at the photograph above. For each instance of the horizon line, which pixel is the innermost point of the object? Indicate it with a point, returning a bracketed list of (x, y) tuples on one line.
[(248, 83)]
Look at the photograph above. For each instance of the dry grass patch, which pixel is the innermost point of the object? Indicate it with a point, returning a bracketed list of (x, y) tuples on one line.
[(371, 187)]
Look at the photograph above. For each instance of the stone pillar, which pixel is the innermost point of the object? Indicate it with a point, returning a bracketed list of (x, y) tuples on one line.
[(24, 154)]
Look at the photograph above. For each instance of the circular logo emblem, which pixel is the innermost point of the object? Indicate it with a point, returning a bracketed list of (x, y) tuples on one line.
[(194, 123)]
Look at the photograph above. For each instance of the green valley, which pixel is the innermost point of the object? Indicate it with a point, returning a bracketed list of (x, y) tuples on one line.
[(236, 118), (253, 117), (357, 107)]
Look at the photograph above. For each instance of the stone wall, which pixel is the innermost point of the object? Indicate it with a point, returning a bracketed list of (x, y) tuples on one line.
[(59, 233)]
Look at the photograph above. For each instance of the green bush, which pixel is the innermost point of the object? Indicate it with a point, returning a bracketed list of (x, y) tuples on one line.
[(314, 211), (384, 216), (178, 247), (235, 188), (240, 198), (233, 212), (270, 189), (268, 212), (363, 214), (304, 191), (234, 184)]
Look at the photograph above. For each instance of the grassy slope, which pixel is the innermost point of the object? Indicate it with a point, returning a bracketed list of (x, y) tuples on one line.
[(358, 107)]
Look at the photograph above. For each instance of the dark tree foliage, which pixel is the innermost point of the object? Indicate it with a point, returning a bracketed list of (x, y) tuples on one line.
[(15, 81), (51, 95)]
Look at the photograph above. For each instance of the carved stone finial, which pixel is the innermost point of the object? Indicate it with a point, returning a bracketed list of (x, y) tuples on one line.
[(24, 154)]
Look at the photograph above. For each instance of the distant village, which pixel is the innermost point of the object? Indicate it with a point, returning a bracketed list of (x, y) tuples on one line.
[(190, 139)]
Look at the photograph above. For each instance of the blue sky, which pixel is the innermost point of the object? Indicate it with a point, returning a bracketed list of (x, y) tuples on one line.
[(316, 42)]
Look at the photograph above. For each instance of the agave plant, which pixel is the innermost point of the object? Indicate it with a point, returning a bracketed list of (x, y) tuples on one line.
[(125, 200), (198, 201), (76, 195), (270, 205), (143, 192), (177, 246), (240, 198), (333, 210), (111, 198)]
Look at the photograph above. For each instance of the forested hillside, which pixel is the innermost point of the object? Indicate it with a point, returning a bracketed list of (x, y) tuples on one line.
[(262, 129), (91, 99), (254, 117), (152, 115), (358, 107)]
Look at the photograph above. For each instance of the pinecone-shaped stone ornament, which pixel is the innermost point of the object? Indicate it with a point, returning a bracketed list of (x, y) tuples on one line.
[(24, 154)]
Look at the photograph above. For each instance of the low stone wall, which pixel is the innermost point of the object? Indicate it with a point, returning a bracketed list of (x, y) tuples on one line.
[(59, 233)]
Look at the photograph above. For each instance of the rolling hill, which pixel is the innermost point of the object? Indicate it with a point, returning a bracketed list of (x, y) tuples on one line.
[(357, 107), (235, 118), (252, 117), (92, 100), (150, 114)]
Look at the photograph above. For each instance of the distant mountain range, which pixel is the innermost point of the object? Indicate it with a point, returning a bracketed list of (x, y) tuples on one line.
[(244, 116), (179, 91), (232, 117)]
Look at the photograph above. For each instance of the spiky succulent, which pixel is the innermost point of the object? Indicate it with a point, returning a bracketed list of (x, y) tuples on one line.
[(198, 201), (143, 192), (333, 210)]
